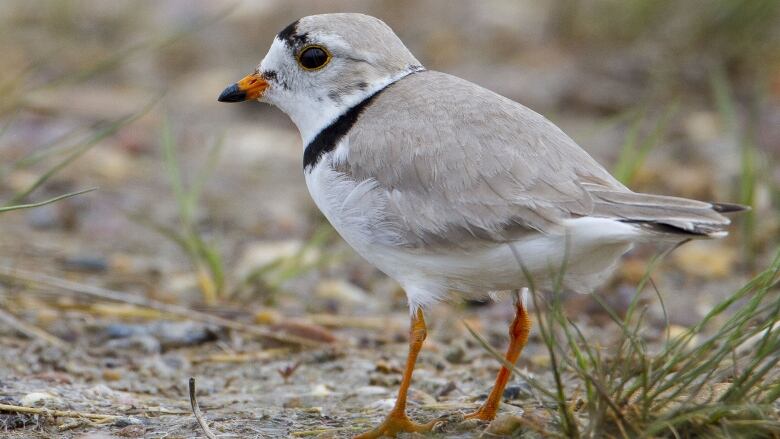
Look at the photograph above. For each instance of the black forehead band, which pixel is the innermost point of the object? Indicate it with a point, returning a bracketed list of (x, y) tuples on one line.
[(291, 36)]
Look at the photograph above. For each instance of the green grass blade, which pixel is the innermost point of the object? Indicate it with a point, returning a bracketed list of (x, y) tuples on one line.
[(45, 202)]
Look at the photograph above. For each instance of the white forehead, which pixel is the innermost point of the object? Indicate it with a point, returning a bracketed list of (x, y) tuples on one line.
[(276, 55)]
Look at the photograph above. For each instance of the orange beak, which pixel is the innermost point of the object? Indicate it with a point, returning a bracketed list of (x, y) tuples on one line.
[(249, 88)]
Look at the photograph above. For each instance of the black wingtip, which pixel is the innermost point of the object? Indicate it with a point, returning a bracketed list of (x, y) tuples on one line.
[(729, 207), (232, 94)]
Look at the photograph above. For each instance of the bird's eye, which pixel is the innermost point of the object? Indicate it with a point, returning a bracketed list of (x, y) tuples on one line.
[(313, 57)]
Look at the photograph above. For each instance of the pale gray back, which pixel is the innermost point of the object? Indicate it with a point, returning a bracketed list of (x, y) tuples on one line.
[(460, 165)]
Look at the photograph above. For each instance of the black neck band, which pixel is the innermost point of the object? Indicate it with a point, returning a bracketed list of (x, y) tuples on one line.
[(329, 137)]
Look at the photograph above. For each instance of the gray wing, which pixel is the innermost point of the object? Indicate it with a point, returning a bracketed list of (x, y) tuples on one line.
[(458, 163)]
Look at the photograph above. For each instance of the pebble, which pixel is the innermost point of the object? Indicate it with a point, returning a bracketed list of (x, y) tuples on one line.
[(382, 404), (446, 389), (132, 431), (342, 292), (455, 354), (677, 331), (96, 435), (505, 424), (262, 253), (267, 317), (520, 390), (41, 399), (112, 375), (707, 259), (164, 367), (169, 334), (540, 361), (87, 264), (371, 390), (320, 390), (143, 343), (128, 422), (44, 218)]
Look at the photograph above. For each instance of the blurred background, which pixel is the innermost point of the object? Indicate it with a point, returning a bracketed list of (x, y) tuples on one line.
[(203, 205)]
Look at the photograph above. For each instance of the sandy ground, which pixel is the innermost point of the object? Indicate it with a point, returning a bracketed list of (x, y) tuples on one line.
[(112, 358)]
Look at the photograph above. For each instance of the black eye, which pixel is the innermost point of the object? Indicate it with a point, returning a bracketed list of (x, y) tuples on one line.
[(313, 57)]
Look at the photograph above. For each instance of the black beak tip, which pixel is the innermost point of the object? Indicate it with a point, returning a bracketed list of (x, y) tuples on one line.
[(232, 94)]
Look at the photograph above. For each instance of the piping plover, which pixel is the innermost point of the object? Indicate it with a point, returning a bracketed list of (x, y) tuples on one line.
[(448, 187)]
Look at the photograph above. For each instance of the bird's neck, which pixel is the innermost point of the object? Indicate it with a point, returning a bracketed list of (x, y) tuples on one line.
[(313, 115)]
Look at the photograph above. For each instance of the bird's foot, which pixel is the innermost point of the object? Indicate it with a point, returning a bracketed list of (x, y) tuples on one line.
[(486, 414), (394, 424)]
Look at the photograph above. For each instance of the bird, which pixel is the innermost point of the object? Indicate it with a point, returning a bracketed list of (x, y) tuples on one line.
[(452, 190)]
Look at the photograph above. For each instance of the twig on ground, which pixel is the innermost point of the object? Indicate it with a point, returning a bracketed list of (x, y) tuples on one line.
[(182, 311), (57, 413), (320, 431), (30, 330), (341, 321), (196, 411), (244, 357), (287, 372)]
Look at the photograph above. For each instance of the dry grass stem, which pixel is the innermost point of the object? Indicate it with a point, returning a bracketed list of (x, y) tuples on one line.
[(30, 330), (196, 411), (177, 310), (57, 413)]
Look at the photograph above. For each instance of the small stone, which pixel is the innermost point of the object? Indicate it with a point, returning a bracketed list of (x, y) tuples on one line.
[(446, 389), (321, 390), (371, 390), (341, 291), (263, 253), (86, 264), (132, 431), (677, 331), (169, 334), (709, 259), (140, 343), (387, 368), (305, 330), (382, 404), (540, 361), (504, 425), (96, 435), (293, 403), (44, 218), (267, 317), (384, 380), (517, 391), (40, 399), (455, 354), (112, 375), (632, 270)]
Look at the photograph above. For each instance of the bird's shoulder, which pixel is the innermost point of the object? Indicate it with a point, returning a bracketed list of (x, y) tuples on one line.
[(439, 122)]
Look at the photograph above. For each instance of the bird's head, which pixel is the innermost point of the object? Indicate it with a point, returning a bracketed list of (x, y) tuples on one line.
[(321, 65)]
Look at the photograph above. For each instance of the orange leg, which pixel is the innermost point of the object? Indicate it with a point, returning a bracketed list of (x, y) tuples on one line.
[(397, 421), (518, 336)]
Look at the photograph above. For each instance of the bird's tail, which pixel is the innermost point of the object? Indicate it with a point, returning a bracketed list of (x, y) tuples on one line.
[(661, 215)]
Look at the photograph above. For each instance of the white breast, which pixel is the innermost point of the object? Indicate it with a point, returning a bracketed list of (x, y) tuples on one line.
[(354, 209)]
